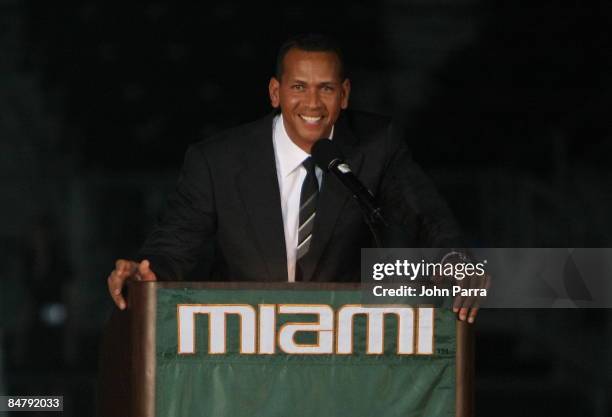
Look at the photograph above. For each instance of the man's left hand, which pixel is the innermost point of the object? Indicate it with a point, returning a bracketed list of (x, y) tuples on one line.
[(467, 307)]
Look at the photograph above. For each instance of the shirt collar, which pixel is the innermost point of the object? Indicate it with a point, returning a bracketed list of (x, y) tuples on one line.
[(289, 156)]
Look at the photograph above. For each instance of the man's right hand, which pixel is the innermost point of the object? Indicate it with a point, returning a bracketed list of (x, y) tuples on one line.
[(127, 270)]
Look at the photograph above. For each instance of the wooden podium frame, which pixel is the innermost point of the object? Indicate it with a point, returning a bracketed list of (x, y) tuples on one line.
[(126, 377)]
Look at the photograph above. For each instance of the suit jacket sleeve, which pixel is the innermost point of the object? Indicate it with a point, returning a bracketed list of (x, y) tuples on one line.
[(411, 202), (188, 222)]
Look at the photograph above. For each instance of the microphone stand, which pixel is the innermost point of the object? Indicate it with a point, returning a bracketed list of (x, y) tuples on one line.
[(384, 233), (374, 219)]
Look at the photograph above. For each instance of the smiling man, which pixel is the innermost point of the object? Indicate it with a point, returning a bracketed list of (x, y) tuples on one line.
[(311, 90), (254, 194)]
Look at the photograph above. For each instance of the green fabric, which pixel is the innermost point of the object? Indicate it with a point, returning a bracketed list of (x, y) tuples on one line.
[(282, 385)]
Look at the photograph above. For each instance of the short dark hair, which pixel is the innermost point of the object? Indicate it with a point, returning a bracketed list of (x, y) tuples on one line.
[(310, 42)]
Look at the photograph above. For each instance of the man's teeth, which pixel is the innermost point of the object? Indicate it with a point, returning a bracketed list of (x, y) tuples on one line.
[(308, 119)]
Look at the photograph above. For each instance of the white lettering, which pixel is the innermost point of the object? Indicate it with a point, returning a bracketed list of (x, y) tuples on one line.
[(259, 332), (324, 329), (216, 327)]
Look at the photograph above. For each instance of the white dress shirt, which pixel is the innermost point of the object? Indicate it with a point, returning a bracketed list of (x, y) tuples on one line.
[(291, 174)]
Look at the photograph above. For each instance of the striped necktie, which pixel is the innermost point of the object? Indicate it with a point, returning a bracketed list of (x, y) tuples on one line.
[(308, 204)]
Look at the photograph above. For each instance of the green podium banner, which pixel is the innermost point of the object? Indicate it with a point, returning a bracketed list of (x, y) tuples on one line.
[(283, 352)]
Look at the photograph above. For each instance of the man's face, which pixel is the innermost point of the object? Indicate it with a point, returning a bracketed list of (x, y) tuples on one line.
[(310, 94)]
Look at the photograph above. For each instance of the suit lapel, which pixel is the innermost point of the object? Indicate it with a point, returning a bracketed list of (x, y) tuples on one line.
[(258, 185), (332, 198)]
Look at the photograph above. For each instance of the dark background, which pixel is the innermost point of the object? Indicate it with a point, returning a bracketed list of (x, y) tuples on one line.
[(505, 104)]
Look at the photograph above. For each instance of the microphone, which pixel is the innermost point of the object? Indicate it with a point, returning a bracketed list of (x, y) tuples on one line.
[(329, 158)]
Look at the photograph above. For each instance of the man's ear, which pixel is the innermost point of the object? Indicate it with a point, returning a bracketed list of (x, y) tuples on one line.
[(273, 91), (346, 92)]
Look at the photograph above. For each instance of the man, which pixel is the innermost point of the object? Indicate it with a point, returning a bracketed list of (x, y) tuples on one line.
[(272, 216)]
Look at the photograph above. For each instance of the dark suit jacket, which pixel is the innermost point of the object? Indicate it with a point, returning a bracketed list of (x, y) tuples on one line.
[(228, 195)]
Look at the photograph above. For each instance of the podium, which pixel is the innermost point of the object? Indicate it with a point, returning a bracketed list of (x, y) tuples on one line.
[(280, 349)]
